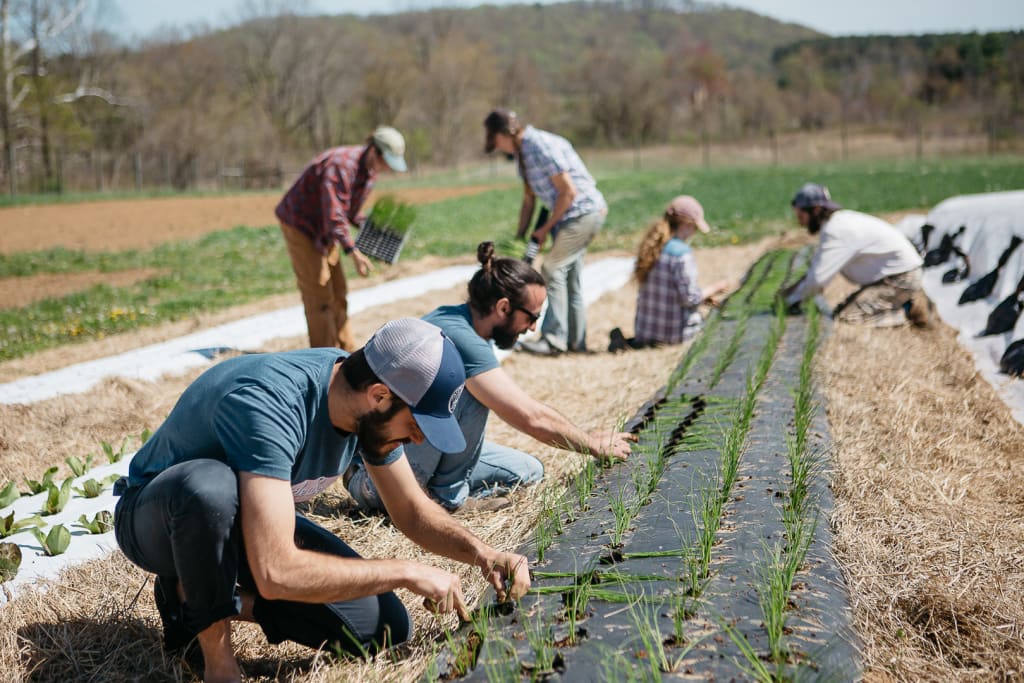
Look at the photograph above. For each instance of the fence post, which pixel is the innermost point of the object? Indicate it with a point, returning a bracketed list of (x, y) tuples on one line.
[(12, 179)]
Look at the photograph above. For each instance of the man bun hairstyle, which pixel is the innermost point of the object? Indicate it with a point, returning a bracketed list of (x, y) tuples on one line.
[(500, 278)]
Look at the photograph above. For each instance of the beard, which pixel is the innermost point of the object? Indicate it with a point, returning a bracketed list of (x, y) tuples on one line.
[(814, 221), (372, 431), (504, 337)]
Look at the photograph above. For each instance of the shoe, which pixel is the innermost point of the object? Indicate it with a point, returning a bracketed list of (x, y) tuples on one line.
[(541, 347), (921, 311), (177, 637), (488, 504), (618, 341)]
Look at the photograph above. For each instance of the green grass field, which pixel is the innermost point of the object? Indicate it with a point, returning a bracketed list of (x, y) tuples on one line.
[(236, 266)]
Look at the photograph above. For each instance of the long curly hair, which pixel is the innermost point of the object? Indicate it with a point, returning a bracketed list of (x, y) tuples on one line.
[(655, 239)]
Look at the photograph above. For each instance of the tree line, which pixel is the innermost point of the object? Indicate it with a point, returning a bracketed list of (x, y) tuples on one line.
[(79, 109)]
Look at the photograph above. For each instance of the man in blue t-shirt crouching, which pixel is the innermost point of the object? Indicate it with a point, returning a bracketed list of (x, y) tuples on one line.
[(208, 503)]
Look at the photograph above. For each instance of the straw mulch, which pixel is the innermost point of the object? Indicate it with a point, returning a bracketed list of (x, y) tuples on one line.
[(928, 507)]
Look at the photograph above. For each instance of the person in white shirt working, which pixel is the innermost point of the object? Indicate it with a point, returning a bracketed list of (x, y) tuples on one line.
[(867, 251)]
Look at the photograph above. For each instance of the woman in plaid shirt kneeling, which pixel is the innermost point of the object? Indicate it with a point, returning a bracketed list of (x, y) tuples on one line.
[(666, 306)]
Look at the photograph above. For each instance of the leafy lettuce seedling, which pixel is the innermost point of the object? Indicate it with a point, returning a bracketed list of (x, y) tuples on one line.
[(10, 560), (79, 467), (8, 526), (57, 498), (40, 486), (9, 494), (91, 487), (55, 542), (101, 523)]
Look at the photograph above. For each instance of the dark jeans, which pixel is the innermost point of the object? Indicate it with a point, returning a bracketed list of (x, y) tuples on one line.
[(183, 525)]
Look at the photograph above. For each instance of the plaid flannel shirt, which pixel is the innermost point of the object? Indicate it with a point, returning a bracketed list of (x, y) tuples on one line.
[(666, 305), (544, 155), (324, 202)]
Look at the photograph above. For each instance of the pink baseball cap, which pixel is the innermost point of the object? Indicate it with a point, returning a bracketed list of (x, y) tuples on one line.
[(685, 206)]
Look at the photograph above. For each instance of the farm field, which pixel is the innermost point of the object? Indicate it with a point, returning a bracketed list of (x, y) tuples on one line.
[(925, 459)]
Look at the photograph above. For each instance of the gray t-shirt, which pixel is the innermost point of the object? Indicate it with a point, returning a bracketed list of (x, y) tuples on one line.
[(260, 413)]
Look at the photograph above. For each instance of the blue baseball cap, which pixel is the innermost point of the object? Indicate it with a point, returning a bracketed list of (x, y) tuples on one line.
[(813, 194), (422, 367)]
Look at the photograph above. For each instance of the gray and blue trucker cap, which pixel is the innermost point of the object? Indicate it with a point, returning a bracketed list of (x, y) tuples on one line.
[(422, 366), (813, 194)]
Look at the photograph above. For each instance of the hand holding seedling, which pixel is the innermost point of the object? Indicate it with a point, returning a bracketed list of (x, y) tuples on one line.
[(509, 574), (611, 447), (441, 591)]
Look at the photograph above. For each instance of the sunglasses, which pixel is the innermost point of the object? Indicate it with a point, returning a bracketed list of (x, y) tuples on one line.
[(530, 315)]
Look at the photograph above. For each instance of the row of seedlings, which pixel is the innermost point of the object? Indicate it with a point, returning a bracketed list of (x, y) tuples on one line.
[(19, 530), (678, 420)]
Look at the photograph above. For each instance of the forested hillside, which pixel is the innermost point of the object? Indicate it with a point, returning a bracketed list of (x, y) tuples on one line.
[(81, 111)]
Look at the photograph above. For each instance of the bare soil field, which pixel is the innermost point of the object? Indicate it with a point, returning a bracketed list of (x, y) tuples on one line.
[(927, 471), (143, 223)]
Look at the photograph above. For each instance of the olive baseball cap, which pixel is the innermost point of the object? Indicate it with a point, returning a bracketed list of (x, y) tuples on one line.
[(392, 147), (422, 367)]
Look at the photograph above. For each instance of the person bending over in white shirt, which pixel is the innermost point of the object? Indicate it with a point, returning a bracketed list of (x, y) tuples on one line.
[(867, 251)]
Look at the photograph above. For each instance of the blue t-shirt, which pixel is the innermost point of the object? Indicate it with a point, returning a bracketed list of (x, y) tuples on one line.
[(260, 413)]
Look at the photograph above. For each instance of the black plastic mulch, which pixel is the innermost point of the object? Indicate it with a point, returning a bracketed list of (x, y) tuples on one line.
[(645, 579)]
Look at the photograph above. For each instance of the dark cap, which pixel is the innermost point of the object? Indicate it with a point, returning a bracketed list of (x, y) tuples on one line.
[(499, 121), (813, 194)]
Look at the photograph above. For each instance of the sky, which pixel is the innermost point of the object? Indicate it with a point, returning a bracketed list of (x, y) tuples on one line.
[(142, 18)]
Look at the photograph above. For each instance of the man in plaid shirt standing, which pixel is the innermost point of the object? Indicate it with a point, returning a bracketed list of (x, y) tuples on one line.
[(317, 215), (553, 171)]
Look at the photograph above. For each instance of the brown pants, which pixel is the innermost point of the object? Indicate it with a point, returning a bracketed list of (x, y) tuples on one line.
[(880, 304), (321, 281)]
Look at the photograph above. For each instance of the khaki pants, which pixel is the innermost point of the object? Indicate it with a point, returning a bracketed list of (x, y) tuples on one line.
[(324, 290), (880, 304)]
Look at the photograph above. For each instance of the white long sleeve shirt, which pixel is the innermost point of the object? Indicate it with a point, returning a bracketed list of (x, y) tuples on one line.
[(863, 248)]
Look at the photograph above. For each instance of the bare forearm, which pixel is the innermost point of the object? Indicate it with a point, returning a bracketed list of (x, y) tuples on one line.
[(550, 427), (433, 529), (525, 215), (307, 576), (562, 203)]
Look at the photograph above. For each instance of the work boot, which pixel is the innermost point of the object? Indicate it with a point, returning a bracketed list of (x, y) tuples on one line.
[(177, 637), (541, 347), (921, 311), (617, 341)]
